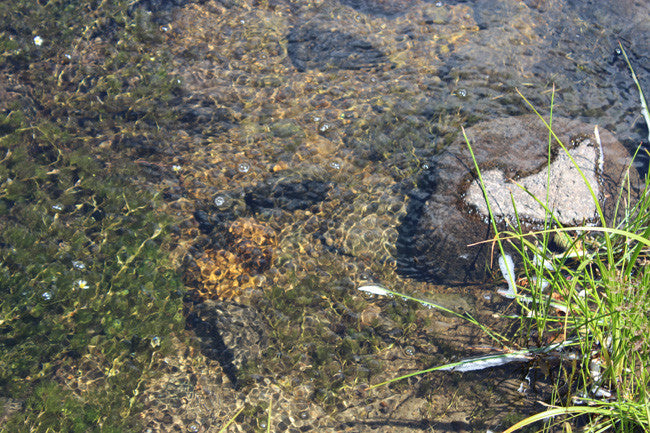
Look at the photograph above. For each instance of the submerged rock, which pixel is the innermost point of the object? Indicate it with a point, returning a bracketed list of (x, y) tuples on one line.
[(379, 7), (448, 212), (230, 333), (313, 47)]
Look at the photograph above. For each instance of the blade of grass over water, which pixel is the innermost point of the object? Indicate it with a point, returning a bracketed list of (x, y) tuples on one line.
[(485, 362), (641, 239), (643, 102), (378, 290)]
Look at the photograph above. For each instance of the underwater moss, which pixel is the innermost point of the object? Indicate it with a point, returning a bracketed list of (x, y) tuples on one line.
[(83, 269), (317, 328), (87, 292)]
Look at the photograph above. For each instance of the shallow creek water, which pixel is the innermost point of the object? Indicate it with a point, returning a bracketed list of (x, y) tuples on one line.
[(301, 129)]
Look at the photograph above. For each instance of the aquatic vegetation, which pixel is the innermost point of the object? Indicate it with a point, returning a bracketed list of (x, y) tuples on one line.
[(88, 293), (83, 273)]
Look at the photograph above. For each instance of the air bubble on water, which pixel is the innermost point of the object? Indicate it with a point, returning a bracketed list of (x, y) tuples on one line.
[(316, 119), (193, 427), (324, 127), (409, 350), (425, 166), (335, 165), (244, 167), (155, 342), (47, 296), (462, 93), (57, 207), (219, 200), (78, 265), (263, 424), (438, 4)]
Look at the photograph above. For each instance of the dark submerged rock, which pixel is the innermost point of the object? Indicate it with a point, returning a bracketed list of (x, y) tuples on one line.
[(287, 195), (386, 8), (440, 224), (313, 47), (230, 333)]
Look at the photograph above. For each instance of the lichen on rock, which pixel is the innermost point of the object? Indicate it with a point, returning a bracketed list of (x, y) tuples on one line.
[(560, 189)]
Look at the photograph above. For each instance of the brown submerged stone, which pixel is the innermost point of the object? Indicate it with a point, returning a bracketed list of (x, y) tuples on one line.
[(226, 273)]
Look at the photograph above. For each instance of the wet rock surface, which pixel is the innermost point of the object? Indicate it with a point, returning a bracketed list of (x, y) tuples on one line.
[(450, 213), (565, 194)]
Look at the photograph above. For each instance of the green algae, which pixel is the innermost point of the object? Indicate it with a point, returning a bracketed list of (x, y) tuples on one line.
[(83, 272), (321, 337), (88, 295)]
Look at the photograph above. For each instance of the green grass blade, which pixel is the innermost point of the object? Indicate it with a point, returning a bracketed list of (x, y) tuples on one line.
[(231, 420)]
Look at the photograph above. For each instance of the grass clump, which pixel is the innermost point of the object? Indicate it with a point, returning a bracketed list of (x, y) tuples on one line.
[(592, 293), (584, 298), (594, 298)]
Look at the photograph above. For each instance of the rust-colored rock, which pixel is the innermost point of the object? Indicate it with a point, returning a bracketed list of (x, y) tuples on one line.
[(227, 273)]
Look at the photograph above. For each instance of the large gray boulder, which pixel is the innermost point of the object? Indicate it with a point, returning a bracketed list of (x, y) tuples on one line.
[(512, 153)]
